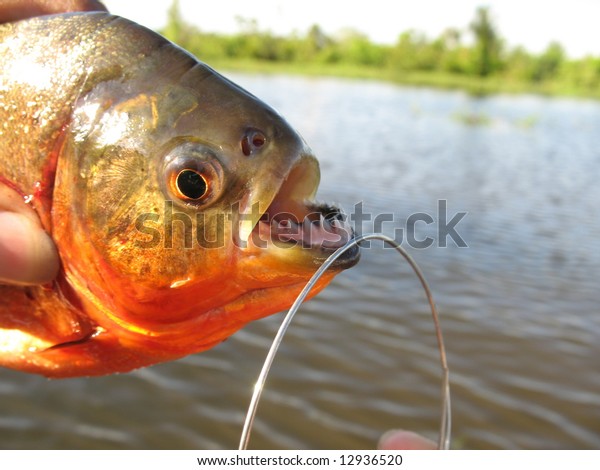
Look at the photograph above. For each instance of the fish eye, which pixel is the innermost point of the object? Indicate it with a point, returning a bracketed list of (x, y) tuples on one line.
[(191, 184), (193, 175)]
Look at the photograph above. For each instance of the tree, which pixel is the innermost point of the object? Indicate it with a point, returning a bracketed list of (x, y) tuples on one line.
[(407, 53), (548, 64), (180, 31), (175, 23), (455, 57), (487, 43), (356, 48), (317, 39)]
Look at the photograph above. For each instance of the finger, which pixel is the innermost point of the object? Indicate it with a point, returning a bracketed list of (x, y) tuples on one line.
[(27, 253), (12, 201), (404, 440), (14, 10)]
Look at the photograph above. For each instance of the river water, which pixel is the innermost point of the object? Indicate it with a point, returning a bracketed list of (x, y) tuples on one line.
[(518, 304)]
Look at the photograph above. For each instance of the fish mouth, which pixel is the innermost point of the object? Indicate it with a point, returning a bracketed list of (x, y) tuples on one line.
[(293, 220)]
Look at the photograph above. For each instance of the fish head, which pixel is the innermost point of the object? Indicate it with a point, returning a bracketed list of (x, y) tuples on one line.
[(181, 199)]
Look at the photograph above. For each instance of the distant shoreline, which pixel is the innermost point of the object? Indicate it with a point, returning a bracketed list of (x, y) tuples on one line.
[(438, 80), (482, 67)]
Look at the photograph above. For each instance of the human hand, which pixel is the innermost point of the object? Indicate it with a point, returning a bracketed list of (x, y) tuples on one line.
[(27, 253), (13, 10), (404, 440)]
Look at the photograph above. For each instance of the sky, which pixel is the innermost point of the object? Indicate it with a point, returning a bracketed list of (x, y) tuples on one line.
[(531, 23)]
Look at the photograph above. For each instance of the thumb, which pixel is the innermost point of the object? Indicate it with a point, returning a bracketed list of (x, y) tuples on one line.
[(27, 253)]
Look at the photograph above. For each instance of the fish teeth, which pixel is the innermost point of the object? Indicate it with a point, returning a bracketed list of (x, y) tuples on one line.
[(284, 223), (246, 227)]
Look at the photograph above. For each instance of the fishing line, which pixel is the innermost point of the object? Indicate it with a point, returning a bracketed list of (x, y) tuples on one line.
[(445, 421)]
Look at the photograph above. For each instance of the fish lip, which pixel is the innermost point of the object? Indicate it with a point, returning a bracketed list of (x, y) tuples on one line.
[(293, 220)]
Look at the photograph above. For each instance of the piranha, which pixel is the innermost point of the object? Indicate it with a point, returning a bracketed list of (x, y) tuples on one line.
[(182, 206)]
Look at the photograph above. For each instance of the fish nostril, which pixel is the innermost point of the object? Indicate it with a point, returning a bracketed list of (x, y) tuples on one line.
[(258, 139), (252, 141)]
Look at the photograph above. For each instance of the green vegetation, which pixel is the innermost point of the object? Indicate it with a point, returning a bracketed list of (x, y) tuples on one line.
[(477, 61)]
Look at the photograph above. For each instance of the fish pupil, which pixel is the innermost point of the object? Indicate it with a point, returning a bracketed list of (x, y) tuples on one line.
[(191, 184)]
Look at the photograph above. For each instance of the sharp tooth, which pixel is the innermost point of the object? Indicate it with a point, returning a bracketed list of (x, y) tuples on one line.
[(246, 227)]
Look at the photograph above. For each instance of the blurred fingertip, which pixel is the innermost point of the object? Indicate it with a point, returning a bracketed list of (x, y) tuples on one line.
[(399, 439), (96, 5)]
